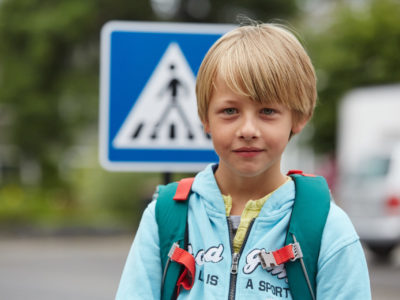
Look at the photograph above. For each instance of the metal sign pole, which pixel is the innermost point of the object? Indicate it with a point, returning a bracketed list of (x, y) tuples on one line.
[(167, 176)]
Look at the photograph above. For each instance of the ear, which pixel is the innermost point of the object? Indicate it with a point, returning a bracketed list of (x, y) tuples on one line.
[(299, 125), (206, 126)]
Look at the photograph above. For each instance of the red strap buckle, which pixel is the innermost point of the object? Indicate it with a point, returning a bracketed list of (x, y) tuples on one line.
[(284, 254), (275, 258), (183, 189), (181, 256)]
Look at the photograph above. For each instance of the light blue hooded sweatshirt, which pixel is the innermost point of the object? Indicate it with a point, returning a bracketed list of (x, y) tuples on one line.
[(342, 269)]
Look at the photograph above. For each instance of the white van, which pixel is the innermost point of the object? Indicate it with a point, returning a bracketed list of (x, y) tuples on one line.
[(371, 197), (369, 165)]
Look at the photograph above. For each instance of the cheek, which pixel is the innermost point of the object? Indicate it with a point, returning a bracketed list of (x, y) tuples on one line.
[(277, 137), (221, 139), (218, 137)]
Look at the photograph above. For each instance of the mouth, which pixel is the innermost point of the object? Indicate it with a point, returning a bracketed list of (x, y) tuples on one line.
[(248, 151)]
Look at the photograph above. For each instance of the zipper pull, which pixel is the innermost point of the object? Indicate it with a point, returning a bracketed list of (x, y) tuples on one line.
[(235, 262)]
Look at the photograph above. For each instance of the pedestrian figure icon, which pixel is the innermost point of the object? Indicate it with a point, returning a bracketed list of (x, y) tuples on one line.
[(164, 116), (173, 87)]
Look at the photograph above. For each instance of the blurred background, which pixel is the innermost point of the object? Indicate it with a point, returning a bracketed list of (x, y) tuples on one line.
[(66, 224)]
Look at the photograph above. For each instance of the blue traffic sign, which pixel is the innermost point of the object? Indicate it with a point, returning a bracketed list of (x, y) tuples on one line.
[(148, 110)]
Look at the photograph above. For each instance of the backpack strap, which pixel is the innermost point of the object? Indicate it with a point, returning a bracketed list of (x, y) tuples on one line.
[(171, 217), (309, 214)]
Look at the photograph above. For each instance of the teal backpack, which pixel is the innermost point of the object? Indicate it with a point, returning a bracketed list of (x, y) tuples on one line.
[(309, 214)]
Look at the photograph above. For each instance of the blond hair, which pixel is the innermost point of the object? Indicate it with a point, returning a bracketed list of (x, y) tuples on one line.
[(264, 62)]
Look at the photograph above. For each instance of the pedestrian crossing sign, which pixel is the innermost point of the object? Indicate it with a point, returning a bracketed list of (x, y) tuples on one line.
[(148, 110)]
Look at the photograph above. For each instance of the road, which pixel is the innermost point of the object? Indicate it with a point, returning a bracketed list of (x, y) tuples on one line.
[(63, 269), (385, 276), (90, 268)]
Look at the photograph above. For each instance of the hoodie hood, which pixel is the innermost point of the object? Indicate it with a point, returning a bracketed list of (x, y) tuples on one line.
[(207, 188)]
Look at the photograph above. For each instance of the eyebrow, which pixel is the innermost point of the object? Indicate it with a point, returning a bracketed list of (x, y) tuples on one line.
[(230, 101)]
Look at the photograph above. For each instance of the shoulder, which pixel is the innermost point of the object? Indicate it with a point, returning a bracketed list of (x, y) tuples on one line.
[(338, 223), (341, 258), (149, 212), (338, 233)]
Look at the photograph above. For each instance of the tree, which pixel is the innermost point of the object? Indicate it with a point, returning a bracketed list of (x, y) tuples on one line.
[(49, 71), (359, 48)]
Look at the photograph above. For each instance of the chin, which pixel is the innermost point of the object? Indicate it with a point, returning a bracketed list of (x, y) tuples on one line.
[(250, 171)]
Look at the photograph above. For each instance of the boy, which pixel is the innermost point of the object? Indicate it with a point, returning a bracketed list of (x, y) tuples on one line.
[(255, 89)]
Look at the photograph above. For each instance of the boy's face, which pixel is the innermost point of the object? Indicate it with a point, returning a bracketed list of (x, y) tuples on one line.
[(249, 137)]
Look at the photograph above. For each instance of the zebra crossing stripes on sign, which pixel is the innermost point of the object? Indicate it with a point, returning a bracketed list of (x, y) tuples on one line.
[(148, 110)]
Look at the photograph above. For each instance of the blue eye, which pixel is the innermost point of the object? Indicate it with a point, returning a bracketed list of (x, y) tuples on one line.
[(267, 111), (230, 111)]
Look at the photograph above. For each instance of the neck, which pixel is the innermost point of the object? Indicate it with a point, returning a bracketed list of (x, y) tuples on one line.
[(242, 188)]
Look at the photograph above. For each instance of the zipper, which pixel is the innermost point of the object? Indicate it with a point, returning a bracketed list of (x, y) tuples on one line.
[(232, 280), (235, 262), (235, 258)]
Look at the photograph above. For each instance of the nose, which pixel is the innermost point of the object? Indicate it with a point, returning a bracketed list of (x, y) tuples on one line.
[(248, 128)]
